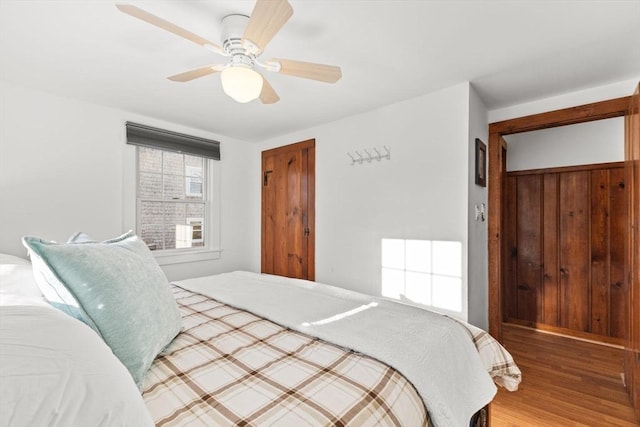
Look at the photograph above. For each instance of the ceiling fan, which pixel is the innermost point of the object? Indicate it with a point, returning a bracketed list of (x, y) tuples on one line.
[(244, 39)]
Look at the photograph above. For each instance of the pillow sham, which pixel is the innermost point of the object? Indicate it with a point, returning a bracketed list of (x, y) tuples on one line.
[(120, 287), (55, 371)]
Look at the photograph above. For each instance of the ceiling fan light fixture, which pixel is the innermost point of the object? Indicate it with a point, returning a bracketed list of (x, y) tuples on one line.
[(241, 83)]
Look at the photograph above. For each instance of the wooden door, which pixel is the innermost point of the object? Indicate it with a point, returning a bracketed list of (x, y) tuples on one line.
[(288, 210)]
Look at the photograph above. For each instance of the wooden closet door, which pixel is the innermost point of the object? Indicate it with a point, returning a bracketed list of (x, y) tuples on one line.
[(288, 182)]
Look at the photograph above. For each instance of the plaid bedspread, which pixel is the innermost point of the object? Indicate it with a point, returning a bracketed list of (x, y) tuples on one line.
[(231, 367)]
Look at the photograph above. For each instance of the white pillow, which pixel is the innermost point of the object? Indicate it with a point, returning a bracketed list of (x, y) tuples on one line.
[(12, 259), (56, 371), (17, 284)]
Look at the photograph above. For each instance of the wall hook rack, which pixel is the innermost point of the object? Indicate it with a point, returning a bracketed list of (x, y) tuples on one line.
[(358, 158)]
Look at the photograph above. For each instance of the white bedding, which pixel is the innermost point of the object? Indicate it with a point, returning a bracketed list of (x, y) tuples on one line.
[(55, 371), (434, 352)]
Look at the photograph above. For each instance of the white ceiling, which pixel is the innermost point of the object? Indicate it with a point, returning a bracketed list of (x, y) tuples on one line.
[(389, 50)]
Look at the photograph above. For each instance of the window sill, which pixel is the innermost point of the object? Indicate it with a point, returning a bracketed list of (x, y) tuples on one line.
[(181, 257)]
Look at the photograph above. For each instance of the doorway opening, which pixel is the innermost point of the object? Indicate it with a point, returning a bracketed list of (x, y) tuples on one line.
[(498, 254)]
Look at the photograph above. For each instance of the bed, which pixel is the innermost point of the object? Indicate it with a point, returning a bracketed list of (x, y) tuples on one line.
[(249, 349)]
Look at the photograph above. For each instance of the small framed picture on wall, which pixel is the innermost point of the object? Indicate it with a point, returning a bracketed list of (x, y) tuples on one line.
[(481, 163)]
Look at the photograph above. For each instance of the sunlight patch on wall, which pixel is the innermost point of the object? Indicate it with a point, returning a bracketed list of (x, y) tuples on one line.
[(427, 272)]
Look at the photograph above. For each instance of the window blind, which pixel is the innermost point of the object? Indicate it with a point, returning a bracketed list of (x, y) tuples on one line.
[(147, 136)]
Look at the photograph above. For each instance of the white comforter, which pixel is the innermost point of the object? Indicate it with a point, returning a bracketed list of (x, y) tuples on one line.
[(434, 352)]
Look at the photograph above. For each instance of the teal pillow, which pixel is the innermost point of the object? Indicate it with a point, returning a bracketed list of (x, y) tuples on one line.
[(54, 290), (120, 288)]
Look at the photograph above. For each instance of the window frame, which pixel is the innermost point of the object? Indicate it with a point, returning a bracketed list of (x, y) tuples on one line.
[(212, 221)]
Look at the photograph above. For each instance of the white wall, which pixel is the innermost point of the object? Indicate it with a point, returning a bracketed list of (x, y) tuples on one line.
[(421, 193), (61, 171), (581, 144), (478, 286), (566, 100)]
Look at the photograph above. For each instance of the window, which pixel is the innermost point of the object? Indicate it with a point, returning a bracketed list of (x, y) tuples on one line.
[(426, 272), (196, 229), (189, 235), (193, 180), (172, 201)]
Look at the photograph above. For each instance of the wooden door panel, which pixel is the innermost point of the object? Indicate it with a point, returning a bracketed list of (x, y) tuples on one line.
[(308, 215), (550, 273), (268, 215), (278, 185), (280, 249), (294, 208), (510, 308), (600, 255), (619, 287), (574, 250), (529, 247)]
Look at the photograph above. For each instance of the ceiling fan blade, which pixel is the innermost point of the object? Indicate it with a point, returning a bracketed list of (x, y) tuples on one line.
[(309, 70), (194, 74), (136, 12), (266, 20), (268, 95)]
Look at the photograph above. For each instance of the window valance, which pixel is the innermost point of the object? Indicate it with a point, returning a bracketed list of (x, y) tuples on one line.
[(148, 136)]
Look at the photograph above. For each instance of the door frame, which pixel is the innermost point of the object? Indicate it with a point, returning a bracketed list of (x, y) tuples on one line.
[(617, 107)]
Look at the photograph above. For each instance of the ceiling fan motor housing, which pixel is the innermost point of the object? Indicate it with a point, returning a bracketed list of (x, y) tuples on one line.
[(232, 30)]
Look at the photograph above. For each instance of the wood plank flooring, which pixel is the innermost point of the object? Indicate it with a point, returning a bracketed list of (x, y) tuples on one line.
[(566, 382)]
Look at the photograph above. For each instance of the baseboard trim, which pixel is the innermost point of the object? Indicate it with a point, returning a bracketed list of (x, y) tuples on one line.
[(605, 341)]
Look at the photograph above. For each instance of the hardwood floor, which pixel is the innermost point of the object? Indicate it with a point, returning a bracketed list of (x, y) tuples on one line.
[(565, 382)]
